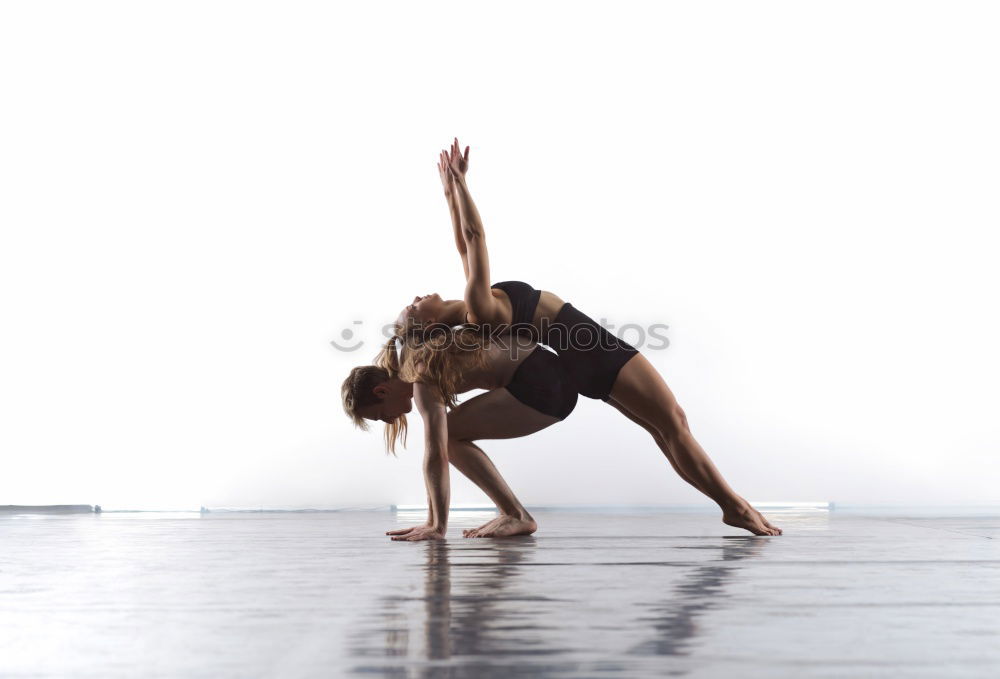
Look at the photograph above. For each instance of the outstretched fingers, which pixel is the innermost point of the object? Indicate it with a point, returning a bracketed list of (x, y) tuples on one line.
[(401, 531), (458, 160)]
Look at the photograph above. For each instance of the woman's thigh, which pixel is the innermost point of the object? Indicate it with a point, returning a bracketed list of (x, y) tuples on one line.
[(495, 415), (641, 391)]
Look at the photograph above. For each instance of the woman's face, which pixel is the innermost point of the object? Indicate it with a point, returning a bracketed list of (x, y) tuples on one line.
[(396, 399), (424, 310)]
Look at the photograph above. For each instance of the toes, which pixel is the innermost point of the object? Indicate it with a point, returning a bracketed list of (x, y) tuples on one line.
[(475, 532), (772, 527)]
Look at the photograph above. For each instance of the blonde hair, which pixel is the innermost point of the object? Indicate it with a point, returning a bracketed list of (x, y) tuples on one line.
[(431, 356), (440, 357)]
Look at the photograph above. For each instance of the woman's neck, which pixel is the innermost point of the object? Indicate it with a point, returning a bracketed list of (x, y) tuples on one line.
[(453, 311)]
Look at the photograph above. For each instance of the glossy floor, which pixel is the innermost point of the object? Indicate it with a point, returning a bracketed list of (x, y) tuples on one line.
[(590, 595)]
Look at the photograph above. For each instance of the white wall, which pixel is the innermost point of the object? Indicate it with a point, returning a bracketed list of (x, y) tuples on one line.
[(198, 197)]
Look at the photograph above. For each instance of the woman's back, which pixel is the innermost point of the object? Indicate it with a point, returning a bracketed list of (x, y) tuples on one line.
[(497, 362), (460, 360)]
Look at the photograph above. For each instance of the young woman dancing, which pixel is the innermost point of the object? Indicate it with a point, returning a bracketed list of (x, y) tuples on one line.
[(593, 361), (528, 390)]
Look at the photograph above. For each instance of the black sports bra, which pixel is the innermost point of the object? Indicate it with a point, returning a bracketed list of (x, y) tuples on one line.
[(523, 300)]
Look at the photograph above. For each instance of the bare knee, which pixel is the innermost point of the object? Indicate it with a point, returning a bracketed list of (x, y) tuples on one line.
[(683, 417), (671, 424), (654, 432)]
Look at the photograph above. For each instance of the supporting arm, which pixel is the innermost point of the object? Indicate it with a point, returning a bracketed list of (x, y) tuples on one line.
[(436, 477)]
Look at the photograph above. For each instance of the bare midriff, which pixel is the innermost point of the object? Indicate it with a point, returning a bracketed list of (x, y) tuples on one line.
[(548, 308)]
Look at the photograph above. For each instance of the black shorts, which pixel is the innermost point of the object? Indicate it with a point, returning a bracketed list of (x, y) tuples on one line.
[(591, 355), (540, 381)]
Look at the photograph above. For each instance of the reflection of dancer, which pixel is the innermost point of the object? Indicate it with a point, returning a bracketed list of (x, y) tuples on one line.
[(675, 618), (477, 616), (592, 362), (436, 620)]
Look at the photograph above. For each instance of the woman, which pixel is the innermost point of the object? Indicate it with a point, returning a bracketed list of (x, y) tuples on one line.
[(600, 365), (528, 390)]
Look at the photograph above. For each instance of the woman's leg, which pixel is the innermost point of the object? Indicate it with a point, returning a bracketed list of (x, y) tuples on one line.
[(493, 415), (642, 395), (656, 437), (470, 459)]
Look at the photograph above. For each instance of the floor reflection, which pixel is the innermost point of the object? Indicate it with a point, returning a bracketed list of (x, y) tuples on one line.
[(478, 615), (674, 618), (475, 621)]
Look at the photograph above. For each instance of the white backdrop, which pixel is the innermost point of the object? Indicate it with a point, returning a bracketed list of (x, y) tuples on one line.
[(197, 197)]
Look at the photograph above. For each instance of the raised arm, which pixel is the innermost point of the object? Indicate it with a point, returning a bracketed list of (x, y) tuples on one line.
[(483, 306), (456, 217), (432, 410)]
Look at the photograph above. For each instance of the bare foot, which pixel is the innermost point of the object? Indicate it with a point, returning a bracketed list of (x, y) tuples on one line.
[(745, 516), (469, 531), (502, 527)]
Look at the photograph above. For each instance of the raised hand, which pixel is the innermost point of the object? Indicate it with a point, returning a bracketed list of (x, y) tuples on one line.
[(445, 171), (458, 163)]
